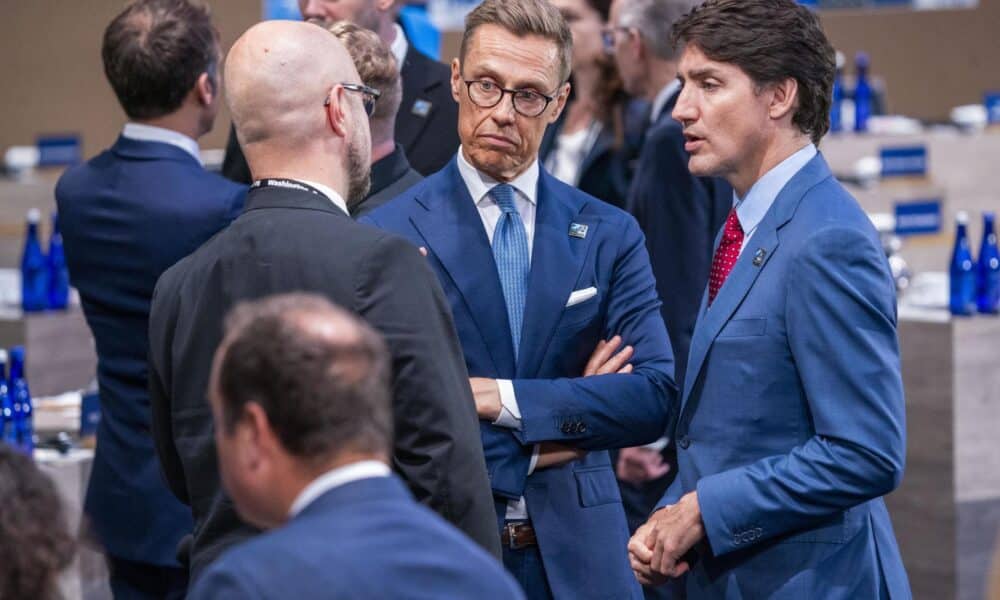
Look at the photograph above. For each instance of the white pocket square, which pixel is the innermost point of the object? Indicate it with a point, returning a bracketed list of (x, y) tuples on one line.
[(581, 296)]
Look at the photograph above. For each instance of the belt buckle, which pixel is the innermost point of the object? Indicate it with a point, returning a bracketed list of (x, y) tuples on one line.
[(511, 536)]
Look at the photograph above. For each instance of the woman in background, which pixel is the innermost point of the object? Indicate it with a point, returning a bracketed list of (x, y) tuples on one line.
[(35, 544), (587, 146)]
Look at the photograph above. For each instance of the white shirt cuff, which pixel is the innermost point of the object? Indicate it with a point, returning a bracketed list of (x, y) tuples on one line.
[(510, 414), (658, 445), (534, 459)]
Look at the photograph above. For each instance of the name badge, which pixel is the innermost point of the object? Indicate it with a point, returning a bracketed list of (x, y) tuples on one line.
[(421, 108), (578, 230)]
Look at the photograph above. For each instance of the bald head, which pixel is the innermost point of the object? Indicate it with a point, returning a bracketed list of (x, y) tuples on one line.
[(277, 75)]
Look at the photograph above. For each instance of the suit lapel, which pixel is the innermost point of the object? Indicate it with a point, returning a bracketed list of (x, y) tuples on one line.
[(454, 233), (556, 261), (754, 258)]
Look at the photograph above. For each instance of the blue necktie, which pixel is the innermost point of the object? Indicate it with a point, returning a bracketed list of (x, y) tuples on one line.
[(510, 251)]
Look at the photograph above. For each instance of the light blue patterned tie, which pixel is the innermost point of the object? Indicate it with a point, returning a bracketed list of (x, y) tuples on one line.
[(510, 251)]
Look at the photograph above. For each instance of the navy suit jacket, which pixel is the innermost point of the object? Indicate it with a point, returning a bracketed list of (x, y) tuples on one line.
[(367, 539), (792, 422), (126, 216), (576, 509), (680, 215)]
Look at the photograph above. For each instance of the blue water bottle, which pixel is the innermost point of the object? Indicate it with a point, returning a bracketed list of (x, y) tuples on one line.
[(58, 275), (836, 120), (962, 300), (8, 433), (988, 269), (862, 93), (34, 276), (22, 396)]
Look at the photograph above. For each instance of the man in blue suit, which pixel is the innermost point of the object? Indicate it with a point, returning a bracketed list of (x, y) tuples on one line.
[(537, 274), (127, 215), (300, 396), (791, 427)]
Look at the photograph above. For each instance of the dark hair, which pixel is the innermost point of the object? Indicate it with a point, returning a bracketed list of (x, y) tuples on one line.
[(154, 51), (35, 544), (320, 374), (770, 40)]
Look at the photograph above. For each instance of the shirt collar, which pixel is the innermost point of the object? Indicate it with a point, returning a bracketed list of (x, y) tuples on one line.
[(399, 46), (327, 191), (660, 102), (751, 208), (151, 133), (364, 469), (480, 184)]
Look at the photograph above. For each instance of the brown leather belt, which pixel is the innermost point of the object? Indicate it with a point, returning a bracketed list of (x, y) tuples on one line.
[(518, 535)]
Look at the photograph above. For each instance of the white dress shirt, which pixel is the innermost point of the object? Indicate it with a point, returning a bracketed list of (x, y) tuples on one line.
[(750, 209), (664, 96), (525, 200), (365, 469), (399, 46), (329, 192), (150, 133)]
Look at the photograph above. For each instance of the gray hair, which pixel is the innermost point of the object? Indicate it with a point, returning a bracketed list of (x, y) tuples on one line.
[(654, 19)]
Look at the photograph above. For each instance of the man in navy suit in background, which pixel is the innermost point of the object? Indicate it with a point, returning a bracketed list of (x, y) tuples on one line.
[(538, 274), (791, 427), (301, 402), (127, 215)]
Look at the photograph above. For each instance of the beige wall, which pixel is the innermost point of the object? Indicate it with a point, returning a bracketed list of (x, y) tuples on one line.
[(53, 80)]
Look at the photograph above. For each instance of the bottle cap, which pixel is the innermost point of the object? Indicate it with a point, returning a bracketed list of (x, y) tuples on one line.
[(3, 355), (17, 354), (840, 59), (34, 216), (861, 60), (961, 217)]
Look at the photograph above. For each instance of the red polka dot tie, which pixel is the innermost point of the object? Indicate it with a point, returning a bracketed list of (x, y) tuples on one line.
[(725, 255)]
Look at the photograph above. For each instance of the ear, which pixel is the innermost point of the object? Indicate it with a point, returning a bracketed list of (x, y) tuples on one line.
[(784, 98), (384, 5), (456, 80), (204, 89), (256, 442), (561, 97), (336, 117)]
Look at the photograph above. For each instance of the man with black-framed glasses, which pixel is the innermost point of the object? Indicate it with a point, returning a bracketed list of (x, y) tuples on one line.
[(299, 108), (538, 274)]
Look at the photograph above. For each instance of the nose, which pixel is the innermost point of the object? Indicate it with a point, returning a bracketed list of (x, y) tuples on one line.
[(685, 110), (504, 113), (310, 9)]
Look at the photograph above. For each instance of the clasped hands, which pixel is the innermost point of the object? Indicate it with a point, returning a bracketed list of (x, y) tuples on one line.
[(657, 550), (606, 359)]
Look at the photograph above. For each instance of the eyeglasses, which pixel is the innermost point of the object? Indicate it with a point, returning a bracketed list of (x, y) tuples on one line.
[(369, 95), (486, 94), (608, 36)]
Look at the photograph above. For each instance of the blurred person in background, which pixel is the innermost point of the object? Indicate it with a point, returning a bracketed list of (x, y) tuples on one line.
[(35, 544), (391, 171), (586, 147), (127, 215), (427, 115), (301, 400)]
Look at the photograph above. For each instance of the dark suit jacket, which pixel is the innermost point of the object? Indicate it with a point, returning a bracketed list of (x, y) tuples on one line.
[(604, 172), (288, 240), (127, 215), (391, 176), (575, 508), (680, 215), (365, 539), (426, 124)]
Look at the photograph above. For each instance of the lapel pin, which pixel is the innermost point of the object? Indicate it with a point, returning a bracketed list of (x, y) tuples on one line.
[(758, 258), (578, 230), (421, 108)]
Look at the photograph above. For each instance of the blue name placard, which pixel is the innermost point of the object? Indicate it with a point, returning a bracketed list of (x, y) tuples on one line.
[(58, 150), (904, 161), (914, 217), (991, 100)]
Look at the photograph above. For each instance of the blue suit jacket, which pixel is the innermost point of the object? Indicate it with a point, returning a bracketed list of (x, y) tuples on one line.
[(368, 540), (792, 421), (576, 508), (127, 215)]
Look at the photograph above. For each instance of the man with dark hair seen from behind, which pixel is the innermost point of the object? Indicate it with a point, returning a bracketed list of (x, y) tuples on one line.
[(300, 111), (127, 215), (391, 171), (303, 426), (791, 427), (425, 120)]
